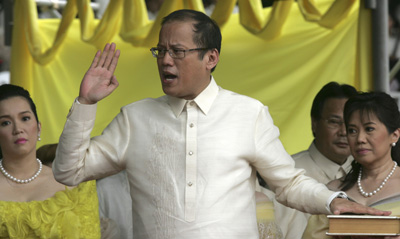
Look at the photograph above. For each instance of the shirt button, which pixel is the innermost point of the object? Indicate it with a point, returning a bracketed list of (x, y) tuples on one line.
[(190, 153), (191, 125), (190, 184), (192, 103)]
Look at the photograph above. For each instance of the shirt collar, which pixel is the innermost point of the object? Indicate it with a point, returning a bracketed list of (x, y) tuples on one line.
[(204, 100), (329, 167)]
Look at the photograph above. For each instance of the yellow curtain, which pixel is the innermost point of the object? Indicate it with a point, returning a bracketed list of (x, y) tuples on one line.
[(364, 81), (280, 55)]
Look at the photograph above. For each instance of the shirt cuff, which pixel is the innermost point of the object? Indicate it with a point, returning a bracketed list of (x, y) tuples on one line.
[(82, 112), (339, 194)]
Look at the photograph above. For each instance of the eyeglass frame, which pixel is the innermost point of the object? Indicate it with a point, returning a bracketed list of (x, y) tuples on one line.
[(172, 52)]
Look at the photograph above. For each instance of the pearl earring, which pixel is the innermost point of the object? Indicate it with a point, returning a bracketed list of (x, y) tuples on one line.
[(393, 144), (39, 137)]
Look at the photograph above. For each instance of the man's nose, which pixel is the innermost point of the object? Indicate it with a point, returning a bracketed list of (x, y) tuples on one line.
[(342, 130)]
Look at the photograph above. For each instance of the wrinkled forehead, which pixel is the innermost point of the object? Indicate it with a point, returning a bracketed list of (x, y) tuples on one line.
[(176, 32), (182, 18), (178, 24)]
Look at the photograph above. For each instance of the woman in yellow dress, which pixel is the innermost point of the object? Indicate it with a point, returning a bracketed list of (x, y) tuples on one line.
[(32, 203), (373, 130)]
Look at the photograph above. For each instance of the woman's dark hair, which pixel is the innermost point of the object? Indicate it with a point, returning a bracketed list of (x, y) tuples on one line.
[(8, 90), (206, 31), (385, 108)]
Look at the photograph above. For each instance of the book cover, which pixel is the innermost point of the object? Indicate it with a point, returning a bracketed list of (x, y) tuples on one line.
[(363, 225)]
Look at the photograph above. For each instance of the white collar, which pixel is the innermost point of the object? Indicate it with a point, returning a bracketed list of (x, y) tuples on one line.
[(204, 100)]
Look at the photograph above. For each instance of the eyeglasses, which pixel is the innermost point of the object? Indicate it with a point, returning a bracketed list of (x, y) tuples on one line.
[(174, 53), (334, 123)]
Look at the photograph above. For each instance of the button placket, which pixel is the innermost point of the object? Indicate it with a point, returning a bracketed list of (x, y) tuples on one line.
[(191, 161)]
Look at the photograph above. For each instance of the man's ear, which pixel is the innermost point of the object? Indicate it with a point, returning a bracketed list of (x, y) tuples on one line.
[(313, 125), (212, 58)]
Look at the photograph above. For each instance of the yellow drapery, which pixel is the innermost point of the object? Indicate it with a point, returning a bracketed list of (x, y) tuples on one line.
[(280, 55)]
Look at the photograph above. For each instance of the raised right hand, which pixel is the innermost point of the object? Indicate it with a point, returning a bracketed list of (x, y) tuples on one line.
[(100, 81)]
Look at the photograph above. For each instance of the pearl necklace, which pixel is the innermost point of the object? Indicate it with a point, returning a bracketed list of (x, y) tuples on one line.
[(365, 194), (5, 173)]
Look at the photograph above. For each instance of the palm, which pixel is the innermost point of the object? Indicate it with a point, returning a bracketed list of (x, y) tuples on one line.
[(99, 81)]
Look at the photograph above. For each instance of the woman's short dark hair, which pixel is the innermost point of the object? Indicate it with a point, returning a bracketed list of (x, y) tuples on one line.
[(385, 108), (8, 90), (206, 31)]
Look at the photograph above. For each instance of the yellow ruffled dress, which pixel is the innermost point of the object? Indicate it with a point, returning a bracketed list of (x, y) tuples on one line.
[(72, 213)]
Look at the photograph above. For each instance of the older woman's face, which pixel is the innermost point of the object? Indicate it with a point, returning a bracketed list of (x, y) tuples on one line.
[(19, 128), (370, 142)]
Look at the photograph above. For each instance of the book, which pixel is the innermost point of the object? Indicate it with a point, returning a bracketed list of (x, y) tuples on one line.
[(363, 225)]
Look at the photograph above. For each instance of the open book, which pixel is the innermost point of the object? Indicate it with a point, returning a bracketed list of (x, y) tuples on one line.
[(363, 225)]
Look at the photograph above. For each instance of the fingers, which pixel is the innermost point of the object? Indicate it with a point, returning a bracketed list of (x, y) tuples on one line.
[(374, 211), (107, 59), (104, 55), (114, 61), (114, 82), (95, 59), (342, 206), (336, 212), (109, 55), (379, 212)]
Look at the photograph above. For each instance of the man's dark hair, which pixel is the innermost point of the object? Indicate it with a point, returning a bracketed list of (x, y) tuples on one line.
[(206, 31), (330, 90)]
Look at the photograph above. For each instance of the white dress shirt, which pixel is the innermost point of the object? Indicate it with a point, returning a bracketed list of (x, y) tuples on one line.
[(190, 164), (322, 169)]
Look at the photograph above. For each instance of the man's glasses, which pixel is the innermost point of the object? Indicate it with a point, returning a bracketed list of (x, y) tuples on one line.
[(174, 53), (333, 123)]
